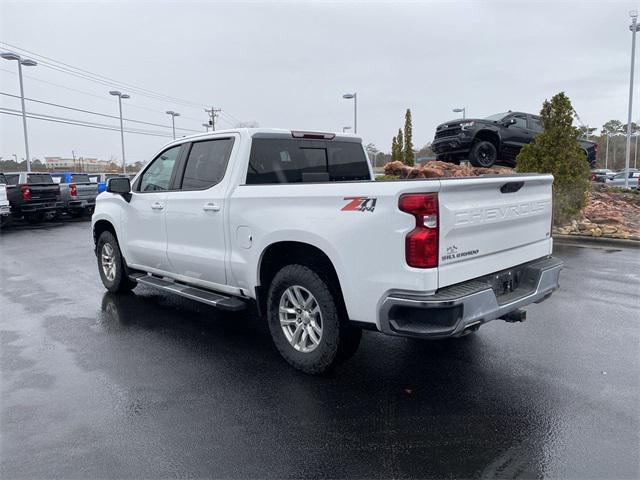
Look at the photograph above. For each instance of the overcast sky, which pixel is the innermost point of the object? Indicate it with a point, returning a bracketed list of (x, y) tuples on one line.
[(287, 65)]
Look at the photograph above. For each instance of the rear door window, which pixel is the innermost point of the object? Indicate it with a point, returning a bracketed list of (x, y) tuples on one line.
[(34, 178), (295, 161), (206, 163), (536, 124)]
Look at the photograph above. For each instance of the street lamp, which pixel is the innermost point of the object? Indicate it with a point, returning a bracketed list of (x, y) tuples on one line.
[(27, 63), (344, 129), (462, 110), (349, 96), (206, 126), (120, 96), (173, 121), (634, 27)]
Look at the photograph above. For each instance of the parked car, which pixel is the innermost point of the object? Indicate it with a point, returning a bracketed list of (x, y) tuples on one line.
[(491, 140), (32, 195), (294, 223), (78, 193), (601, 174), (618, 179), (101, 179), (5, 208)]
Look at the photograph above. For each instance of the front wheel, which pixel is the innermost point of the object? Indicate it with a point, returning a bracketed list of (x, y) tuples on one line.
[(111, 265), (306, 323), (483, 154)]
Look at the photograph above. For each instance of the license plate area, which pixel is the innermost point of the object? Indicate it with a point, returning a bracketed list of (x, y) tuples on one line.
[(513, 283)]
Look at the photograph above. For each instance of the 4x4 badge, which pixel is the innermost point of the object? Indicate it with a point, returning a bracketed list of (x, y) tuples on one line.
[(361, 204)]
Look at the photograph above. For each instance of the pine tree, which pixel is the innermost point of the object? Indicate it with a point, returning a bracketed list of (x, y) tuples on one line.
[(399, 146), (556, 151), (408, 154), (394, 149)]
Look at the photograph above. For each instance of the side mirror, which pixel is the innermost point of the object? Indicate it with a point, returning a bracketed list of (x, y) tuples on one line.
[(120, 186), (508, 122)]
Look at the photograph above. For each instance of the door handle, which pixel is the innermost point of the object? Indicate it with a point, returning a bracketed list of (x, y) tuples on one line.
[(211, 207), (157, 206)]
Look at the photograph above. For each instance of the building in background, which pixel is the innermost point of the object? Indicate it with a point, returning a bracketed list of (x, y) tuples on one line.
[(76, 165)]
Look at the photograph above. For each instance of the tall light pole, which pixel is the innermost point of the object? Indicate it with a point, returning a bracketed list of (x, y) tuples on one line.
[(634, 28), (27, 63), (349, 96), (344, 129), (173, 121), (463, 110), (606, 152), (120, 96)]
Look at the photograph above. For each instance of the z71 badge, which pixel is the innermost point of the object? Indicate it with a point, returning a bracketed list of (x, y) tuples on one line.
[(359, 204)]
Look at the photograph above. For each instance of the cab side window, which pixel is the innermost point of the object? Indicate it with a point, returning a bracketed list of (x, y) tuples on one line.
[(521, 122), (536, 124), (158, 176), (206, 164)]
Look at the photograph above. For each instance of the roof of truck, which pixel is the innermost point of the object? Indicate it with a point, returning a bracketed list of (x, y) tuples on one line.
[(275, 132)]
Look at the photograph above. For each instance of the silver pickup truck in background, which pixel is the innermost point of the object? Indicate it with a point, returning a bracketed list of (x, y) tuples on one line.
[(77, 193)]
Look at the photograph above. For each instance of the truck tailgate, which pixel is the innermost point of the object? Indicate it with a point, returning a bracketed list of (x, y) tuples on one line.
[(44, 192), (86, 190), (488, 224)]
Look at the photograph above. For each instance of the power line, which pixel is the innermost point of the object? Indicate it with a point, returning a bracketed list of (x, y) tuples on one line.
[(62, 67), (67, 68), (101, 97), (96, 113), (80, 123)]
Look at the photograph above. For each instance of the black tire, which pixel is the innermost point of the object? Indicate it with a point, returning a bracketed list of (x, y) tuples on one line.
[(34, 218), (76, 213), (338, 339), (119, 281), (483, 154)]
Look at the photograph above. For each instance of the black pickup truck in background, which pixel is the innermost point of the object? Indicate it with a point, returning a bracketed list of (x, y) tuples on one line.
[(32, 195), (495, 139)]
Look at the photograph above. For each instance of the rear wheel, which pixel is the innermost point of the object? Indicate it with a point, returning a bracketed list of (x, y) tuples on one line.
[(306, 323), (483, 154), (111, 265)]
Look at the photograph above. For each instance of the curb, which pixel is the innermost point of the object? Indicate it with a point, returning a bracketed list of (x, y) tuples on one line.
[(573, 239)]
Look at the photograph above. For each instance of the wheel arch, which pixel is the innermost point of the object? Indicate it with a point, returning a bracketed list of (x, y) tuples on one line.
[(101, 226), (489, 136), (282, 253)]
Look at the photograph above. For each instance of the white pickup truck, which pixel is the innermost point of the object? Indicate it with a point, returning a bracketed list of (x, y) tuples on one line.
[(293, 223)]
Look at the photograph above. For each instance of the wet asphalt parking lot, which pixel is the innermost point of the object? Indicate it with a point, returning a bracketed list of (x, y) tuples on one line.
[(96, 385)]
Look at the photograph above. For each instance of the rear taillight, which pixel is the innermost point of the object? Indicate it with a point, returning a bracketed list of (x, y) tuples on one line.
[(421, 243), (73, 191), (26, 193)]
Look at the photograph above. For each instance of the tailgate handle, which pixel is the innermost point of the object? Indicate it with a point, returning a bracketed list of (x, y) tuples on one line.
[(511, 187)]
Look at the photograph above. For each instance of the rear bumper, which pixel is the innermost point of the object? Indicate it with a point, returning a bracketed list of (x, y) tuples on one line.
[(84, 203), (452, 310), (40, 207)]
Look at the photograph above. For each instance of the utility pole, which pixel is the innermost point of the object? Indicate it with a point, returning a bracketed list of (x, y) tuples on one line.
[(73, 154), (213, 114), (634, 28)]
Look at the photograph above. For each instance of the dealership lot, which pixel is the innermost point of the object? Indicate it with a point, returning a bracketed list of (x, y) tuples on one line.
[(96, 385)]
